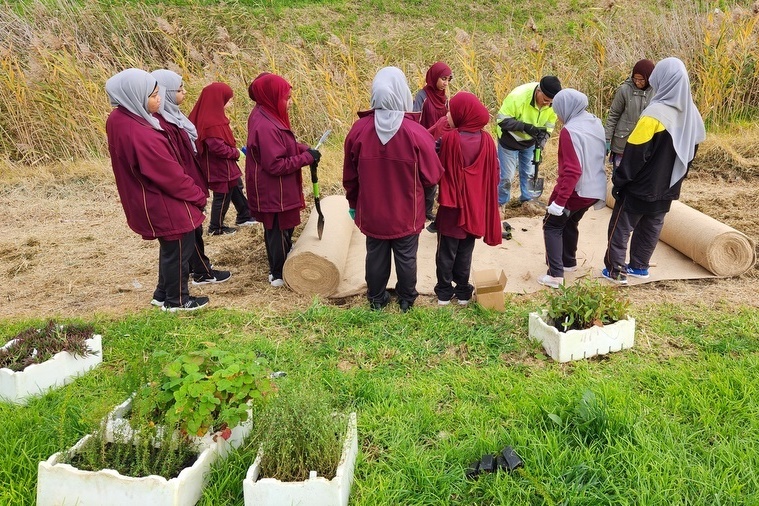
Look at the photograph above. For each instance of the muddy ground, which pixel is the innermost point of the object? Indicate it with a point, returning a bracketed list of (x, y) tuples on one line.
[(66, 249)]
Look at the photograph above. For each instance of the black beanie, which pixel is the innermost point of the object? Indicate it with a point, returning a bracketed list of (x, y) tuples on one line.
[(550, 86)]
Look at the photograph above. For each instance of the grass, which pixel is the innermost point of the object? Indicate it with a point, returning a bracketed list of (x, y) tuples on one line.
[(56, 56), (674, 418)]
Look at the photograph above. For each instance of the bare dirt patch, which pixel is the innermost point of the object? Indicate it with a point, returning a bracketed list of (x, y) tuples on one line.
[(67, 250)]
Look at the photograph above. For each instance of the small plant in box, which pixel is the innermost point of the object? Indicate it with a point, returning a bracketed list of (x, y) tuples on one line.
[(38, 345), (157, 431), (585, 304), (208, 389), (299, 432)]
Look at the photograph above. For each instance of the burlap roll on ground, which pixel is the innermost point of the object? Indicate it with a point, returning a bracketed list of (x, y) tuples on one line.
[(717, 247), (315, 267)]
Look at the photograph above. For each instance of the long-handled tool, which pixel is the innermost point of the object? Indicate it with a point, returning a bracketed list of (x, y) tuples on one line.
[(535, 183), (315, 182)]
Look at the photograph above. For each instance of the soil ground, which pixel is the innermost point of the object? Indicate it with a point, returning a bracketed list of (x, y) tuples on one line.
[(66, 249)]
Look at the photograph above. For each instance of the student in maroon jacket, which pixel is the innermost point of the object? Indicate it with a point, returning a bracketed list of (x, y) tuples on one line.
[(468, 196), (160, 201), (432, 102), (182, 134), (389, 160), (218, 155), (273, 168)]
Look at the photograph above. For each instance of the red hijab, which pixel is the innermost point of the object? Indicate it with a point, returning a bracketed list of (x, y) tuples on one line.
[(272, 92), (208, 115), (472, 189), (251, 94), (434, 107)]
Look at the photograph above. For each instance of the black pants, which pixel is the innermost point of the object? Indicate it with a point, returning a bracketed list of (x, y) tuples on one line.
[(560, 234), (199, 262), (429, 200), (220, 206), (173, 269), (454, 264), (645, 230), (378, 255), (278, 245)]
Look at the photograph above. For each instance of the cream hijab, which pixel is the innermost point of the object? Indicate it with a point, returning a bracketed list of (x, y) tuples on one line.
[(170, 82), (391, 99), (672, 104), (131, 89)]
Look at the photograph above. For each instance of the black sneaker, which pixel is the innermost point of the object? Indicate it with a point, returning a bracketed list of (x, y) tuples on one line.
[(223, 231), (214, 277), (192, 304), (432, 227)]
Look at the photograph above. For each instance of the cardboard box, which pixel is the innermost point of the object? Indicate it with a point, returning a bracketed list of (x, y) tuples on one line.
[(488, 288)]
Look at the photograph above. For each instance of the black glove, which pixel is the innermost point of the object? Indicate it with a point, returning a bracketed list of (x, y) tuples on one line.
[(317, 156), (533, 130), (438, 144), (542, 137), (616, 192)]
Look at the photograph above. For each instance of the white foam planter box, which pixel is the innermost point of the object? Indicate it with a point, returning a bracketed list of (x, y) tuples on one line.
[(580, 344), (315, 491), (63, 485), (18, 386), (118, 423)]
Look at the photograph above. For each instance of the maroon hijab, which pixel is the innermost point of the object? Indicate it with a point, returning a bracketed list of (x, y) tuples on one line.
[(251, 94), (472, 189), (644, 68), (208, 115), (434, 107), (272, 92)]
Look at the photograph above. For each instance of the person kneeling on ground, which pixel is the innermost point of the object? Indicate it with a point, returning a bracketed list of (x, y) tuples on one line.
[(581, 183)]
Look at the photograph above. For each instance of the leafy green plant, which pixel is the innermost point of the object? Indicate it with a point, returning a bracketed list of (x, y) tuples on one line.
[(37, 345), (206, 389), (585, 304), (299, 432)]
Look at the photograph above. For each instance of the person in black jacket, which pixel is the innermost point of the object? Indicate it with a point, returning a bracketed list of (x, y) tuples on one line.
[(655, 161)]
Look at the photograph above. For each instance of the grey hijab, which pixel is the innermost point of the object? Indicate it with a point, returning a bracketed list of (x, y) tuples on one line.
[(130, 89), (588, 141), (391, 99), (672, 104), (170, 82)]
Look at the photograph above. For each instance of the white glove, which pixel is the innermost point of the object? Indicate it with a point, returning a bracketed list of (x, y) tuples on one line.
[(555, 209)]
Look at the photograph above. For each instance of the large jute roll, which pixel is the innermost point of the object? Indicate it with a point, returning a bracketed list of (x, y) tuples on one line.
[(717, 247), (315, 267)]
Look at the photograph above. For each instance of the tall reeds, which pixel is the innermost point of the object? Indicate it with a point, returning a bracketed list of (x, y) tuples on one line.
[(56, 56)]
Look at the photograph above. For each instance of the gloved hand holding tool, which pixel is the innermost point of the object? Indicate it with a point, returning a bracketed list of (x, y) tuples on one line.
[(315, 181)]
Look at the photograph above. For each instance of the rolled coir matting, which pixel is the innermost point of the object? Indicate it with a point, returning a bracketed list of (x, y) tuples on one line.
[(315, 267), (717, 247)]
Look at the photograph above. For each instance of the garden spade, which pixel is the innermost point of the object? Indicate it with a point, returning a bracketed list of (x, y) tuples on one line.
[(315, 181), (535, 183)]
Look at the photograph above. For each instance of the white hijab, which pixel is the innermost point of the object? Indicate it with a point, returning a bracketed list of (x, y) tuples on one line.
[(588, 141), (169, 83), (672, 104), (391, 99), (131, 89)]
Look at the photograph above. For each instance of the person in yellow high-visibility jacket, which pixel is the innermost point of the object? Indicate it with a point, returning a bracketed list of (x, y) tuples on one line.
[(524, 117)]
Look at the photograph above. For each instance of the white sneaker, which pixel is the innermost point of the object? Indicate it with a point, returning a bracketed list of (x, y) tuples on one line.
[(276, 283), (271, 278), (570, 269), (550, 281), (248, 223), (463, 302), (443, 302)]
